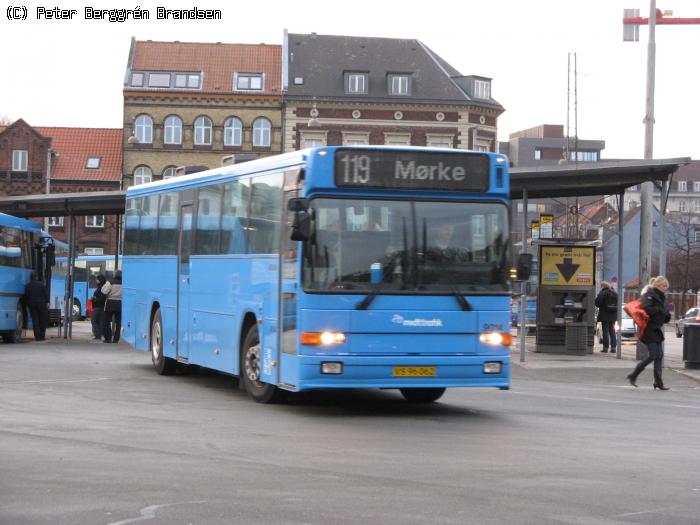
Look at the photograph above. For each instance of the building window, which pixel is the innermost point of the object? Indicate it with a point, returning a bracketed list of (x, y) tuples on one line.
[(313, 139), (696, 186), (583, 156), (262, 131), (682, 206), (187, 80), (173, 130), (94, 251), (354, 138), (397, 139), (159, 80), (144, 129), (169, 172), (137, 80), (249, 82), (233, 132), (538, 153), (697, 235), (482, 89), (142, 175), (55, 222), (481, 147), (682, 185), (439, 141), (95, 221), (92, 163), (202, 131), (356, 83), (19, 159), (632, 188), (697, 206), (399, 84)]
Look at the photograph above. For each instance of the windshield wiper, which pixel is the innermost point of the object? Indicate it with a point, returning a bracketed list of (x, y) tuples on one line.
[(463, 303)]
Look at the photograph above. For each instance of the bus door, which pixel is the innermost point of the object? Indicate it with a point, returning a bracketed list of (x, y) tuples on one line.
[(289, 268), (183, 283)]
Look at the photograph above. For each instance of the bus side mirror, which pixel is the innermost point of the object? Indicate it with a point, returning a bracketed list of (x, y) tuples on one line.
[(524, 267), (301, 225)]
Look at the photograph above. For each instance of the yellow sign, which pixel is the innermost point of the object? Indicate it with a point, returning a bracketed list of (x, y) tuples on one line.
[(567, 265)]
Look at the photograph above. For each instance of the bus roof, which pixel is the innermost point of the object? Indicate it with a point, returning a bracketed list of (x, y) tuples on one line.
[(16, 222), (286, 160)]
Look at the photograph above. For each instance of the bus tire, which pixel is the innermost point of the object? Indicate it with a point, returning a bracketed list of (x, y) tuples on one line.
[(422, 395), (250, 371), (165, 366), (16, 335)]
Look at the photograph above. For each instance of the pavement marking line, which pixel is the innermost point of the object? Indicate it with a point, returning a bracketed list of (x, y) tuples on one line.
[(149, 513), (653, 511), (40, 381), (601, 400)]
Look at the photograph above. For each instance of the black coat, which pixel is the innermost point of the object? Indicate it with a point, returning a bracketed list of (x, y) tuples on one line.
[(606, 296), (654, 303), (35, 294)]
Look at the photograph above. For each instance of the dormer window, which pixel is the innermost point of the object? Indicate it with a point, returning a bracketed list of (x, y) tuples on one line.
[(399, 84), (159, 80), (187, 80), (356, 83), (93, 163), (482, 89), (249, 82), (137, 80)]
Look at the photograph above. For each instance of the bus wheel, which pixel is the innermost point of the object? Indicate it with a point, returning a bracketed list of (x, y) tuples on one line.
[(250, 371), (76, 310), (422, 395), (165, 366), (16, 335)]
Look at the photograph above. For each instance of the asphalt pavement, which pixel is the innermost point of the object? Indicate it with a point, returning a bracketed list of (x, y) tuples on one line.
[(90, 434)]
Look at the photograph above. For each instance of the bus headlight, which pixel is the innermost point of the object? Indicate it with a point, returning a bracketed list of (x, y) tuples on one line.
[(322, 338), (496, 338)]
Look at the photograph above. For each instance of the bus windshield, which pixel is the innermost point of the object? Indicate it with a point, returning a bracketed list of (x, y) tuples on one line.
[(406, 247)]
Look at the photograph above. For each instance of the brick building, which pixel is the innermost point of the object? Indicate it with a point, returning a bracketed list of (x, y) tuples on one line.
[(71, 160), (194, 103), (360, 90)]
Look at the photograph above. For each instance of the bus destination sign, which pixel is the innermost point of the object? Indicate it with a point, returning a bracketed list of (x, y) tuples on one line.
[(359, 168)]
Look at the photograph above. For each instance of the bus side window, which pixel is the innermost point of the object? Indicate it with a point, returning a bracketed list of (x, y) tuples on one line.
[(233, 214), (265, 214), (131, 235), (167, 223), (148, 227), (206, 241)]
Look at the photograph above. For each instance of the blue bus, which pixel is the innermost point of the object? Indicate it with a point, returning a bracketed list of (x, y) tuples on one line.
[(23, 248), (333, 267), (86, 268)]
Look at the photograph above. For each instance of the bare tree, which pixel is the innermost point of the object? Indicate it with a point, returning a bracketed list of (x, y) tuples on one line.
[(5, 120), (684, 252)]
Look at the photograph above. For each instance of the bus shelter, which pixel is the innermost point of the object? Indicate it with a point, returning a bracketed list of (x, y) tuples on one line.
[(588, 179), (69, 205)]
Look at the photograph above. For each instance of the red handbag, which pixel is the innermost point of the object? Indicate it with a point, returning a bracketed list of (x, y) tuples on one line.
[(638, 314)]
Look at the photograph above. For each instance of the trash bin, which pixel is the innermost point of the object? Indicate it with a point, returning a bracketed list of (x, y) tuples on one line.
[(691, 345)]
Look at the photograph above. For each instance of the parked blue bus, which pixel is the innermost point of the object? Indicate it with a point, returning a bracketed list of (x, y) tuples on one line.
[(85, 271), (23, 248), (334, 267)]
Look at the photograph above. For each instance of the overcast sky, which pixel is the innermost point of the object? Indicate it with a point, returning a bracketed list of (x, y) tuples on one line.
[(70, 73)]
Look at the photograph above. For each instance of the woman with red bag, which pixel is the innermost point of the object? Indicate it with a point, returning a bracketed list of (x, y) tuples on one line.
[(654, 304)]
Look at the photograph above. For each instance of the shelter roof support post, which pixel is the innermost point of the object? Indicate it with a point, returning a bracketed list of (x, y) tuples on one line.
[(68, 297), (71, 272), (116, 244), (523, 284), (620, 281)]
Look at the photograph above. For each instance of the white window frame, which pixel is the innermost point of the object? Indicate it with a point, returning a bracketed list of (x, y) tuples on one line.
[(357, 83), (20, 160), (142, 175), (143, 129), (169, 172), (233, 132), (696, 186), (93, 163), (682, 207), (313, 139), (172, 130), (436, 140), (355, 138), (94, 251), (94, 221), (482, 89), (397, 139), (400, 85), (248, 81), (202, 131), (697, 206), (55, 222), (682, 185), (262, 133)]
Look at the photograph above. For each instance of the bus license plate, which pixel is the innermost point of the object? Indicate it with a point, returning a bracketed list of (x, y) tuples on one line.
[(414, 371)]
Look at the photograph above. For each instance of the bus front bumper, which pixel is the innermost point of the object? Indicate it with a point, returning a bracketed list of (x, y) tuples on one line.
[(403, 371)]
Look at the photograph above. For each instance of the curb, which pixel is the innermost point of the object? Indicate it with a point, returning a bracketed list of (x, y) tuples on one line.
[(695, 376)]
